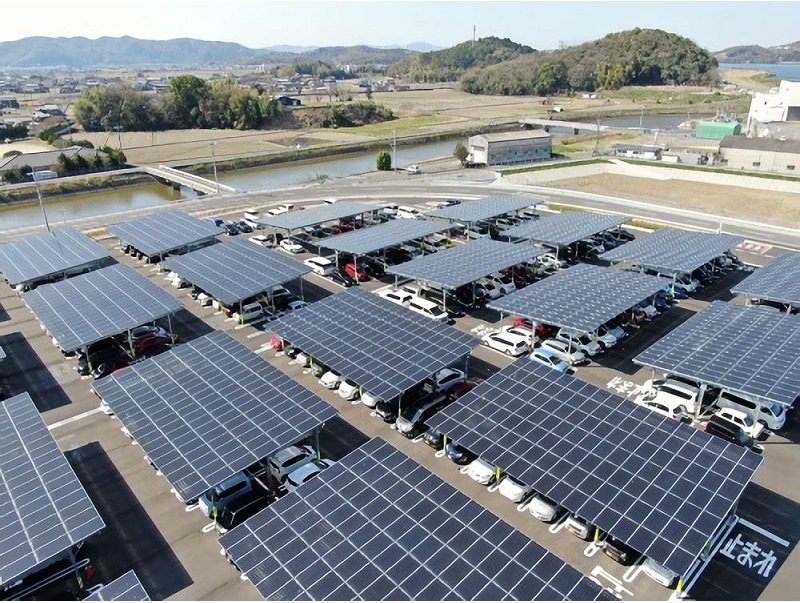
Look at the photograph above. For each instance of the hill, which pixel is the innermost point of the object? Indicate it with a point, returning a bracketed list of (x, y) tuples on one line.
[(639, 57), (785, 53), (450, 63)]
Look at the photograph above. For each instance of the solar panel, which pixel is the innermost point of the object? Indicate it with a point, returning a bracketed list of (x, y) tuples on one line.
[(312, 216), (381, 346), (655, 483), (125, 588), (673, 250), (778, 281), (210, 408), (235, 270), (565, 228), (163, 232), (45, 508), (748, 349), (582, 297), (90, 307), (485, 208), (377, 526), (463, 264), (46, 254), (366, 240), (2, 354)]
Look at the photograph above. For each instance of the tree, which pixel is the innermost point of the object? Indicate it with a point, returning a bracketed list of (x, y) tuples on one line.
[(184, 97), (81, 164), (368, 92), (384, 163), (65, 164), (460, 152)]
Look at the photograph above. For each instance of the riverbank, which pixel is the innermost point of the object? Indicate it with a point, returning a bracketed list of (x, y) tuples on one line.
[(74, 185)]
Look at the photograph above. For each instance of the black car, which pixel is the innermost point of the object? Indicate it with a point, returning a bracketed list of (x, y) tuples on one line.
[(387, 410), (240, 509), (244, 226), (342, 278), (434, 439), (459, 455), (231, 228), (411, 421), (372, 267), (97, 353), (398, 256), (110, 363), (619, 551)]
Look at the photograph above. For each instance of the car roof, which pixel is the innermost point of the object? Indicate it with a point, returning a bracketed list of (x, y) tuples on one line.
[(287, 453)]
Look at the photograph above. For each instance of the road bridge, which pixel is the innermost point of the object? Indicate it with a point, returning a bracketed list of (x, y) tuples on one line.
[(546, 124), (174, 176)]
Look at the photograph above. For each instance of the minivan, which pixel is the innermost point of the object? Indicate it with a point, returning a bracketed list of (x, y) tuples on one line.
[(427, 308), (241, 509), (225, 493), (731, 432), (771, 415), (249, 312)]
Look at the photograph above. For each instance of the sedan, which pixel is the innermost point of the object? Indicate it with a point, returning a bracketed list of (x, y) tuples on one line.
[(300, 476), (244, 226), (356, 272), (549, 359), (342, 278), (566, 352), (290, 246)]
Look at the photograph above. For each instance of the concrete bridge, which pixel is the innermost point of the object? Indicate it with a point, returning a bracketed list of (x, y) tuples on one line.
[(546, 124), (177, 177)]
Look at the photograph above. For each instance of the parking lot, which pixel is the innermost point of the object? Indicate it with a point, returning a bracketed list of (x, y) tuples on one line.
[(149, 530)]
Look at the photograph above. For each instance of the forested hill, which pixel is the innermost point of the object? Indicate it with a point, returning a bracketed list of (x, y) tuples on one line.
[(638, 57), (785, 53), (450, 63)]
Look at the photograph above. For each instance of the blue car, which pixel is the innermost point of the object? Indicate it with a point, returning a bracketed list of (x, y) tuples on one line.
[(550, 360)]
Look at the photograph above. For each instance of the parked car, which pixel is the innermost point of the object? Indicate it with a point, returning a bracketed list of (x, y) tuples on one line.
[(347, 390), (387, 410), (665, 577), (413, 169), (676, 395), (305, 472), (321, 266), (290, 246), (330, 380), (243, 226), (458, 454), (482, 472), (262, 240), (283, 462), (542, 331), (447, 378), (619, 551), (579, 527), (772, 415), (743, 420), (428, 308), (544, 509), (411, 420), (231, 228), (147, 337), (369, 400), (356, 272), (585, 342), (512, 489), (397, 296), (434, 439), (507, 343), (550, 360), (569, 353), (243, 508), (408, 212), (97, 353), (342, 278), (224, 493), (731, 432)]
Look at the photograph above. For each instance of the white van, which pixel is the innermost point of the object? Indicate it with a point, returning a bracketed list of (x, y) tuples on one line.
[(427, 308), (408, 212), (249, 312), (771, 415), (252, 217)]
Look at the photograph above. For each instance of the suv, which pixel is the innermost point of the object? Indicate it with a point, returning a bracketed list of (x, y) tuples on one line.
[(584, 341), (240, 509), (742, 419), (427, 308), (732, 433), (410, 423), (771, 415), (283, 462), (226, 492), (507, 343), (676, 395)]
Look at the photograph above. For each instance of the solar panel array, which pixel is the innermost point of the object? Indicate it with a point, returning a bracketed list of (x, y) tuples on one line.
[(164, 232), (777, 281), (673, 250), (46, 254), (45, 508), (485, 208), (381, 346), (466, 263), (105, 302), (235, 270), (377, 526), (752, 350), (125, 588), (565, 228), (312, 216), (655, 483), (394, 232), (582, 297), (210, 408)]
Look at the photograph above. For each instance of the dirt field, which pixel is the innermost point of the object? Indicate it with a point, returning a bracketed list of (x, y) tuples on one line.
[(781, 209)]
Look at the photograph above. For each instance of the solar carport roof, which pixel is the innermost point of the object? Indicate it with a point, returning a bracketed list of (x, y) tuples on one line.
[(164, 232), (466, 263), (565, 228), (87, 308), (377, 526), (235, 270), (655, 483), (45, 508), (47, 254), (209, 408), (777, 281), (748, 349), (311, 216), (394, 232), (381, 346), (673, 250), (485, 208), (582, 297), (125, 588)]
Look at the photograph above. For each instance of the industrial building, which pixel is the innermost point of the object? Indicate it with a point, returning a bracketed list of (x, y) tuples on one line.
[(760, 154), (504, 148), (717, 130), (776, 114)]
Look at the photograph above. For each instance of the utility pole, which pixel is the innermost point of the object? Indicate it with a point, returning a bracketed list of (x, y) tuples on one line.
[(641, 119), (213, 144), (394, 151), (41, 203), (473, 35)]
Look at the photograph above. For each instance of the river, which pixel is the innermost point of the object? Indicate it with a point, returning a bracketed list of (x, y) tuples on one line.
[(785, 71)]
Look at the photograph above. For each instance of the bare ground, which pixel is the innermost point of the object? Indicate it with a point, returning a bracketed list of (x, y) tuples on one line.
[(780, 209)]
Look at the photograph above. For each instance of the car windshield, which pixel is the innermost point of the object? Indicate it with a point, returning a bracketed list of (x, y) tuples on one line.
[(675, 392)]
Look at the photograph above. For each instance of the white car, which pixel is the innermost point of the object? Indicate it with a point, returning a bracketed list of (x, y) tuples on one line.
[(389, 210), (397, 296), (301, 475), (262, 240), (347, 390), (508, 343), (521, 331), (321, 266), (584, 342), (676, 396), (330, 380), (409, 213), (446, 378), (370, 400), (481, 471), (606, 341), (413, 169), (283, 462), (665, 577), (743, 420), (504, 283), (649, 310), (618, 332), (544, 509), (492, 290), (566, 352), (290, 246), (512, 489)]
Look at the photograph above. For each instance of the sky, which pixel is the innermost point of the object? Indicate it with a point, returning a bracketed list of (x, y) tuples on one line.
[(542, 25)]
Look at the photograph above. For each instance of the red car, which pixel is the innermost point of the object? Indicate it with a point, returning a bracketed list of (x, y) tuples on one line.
[(459, 389), (356, 273), (541, 331)]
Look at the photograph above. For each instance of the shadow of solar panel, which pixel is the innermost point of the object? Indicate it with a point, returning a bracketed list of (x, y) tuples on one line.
[(125, 588), (567, 469), (408, 560), (564, 229), (47, 508), (374, 355), (230, 409), (163, 232), (48, 253)]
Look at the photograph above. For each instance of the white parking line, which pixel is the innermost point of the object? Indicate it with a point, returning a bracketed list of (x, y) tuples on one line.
[(763, 532), (599, 572), (83, 415), (634, 570)]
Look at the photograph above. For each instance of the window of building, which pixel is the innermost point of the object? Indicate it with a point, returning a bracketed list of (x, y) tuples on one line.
[(756, 164), (790, 167)]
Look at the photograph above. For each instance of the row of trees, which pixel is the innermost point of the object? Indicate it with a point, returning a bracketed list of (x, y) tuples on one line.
[(110, 158), (190, 102)]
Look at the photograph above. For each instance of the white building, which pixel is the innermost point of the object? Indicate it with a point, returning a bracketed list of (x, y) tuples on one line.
[(772, 113), (504, 148)]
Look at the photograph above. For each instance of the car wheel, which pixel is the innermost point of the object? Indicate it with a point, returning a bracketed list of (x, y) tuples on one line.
[(682, 410)]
